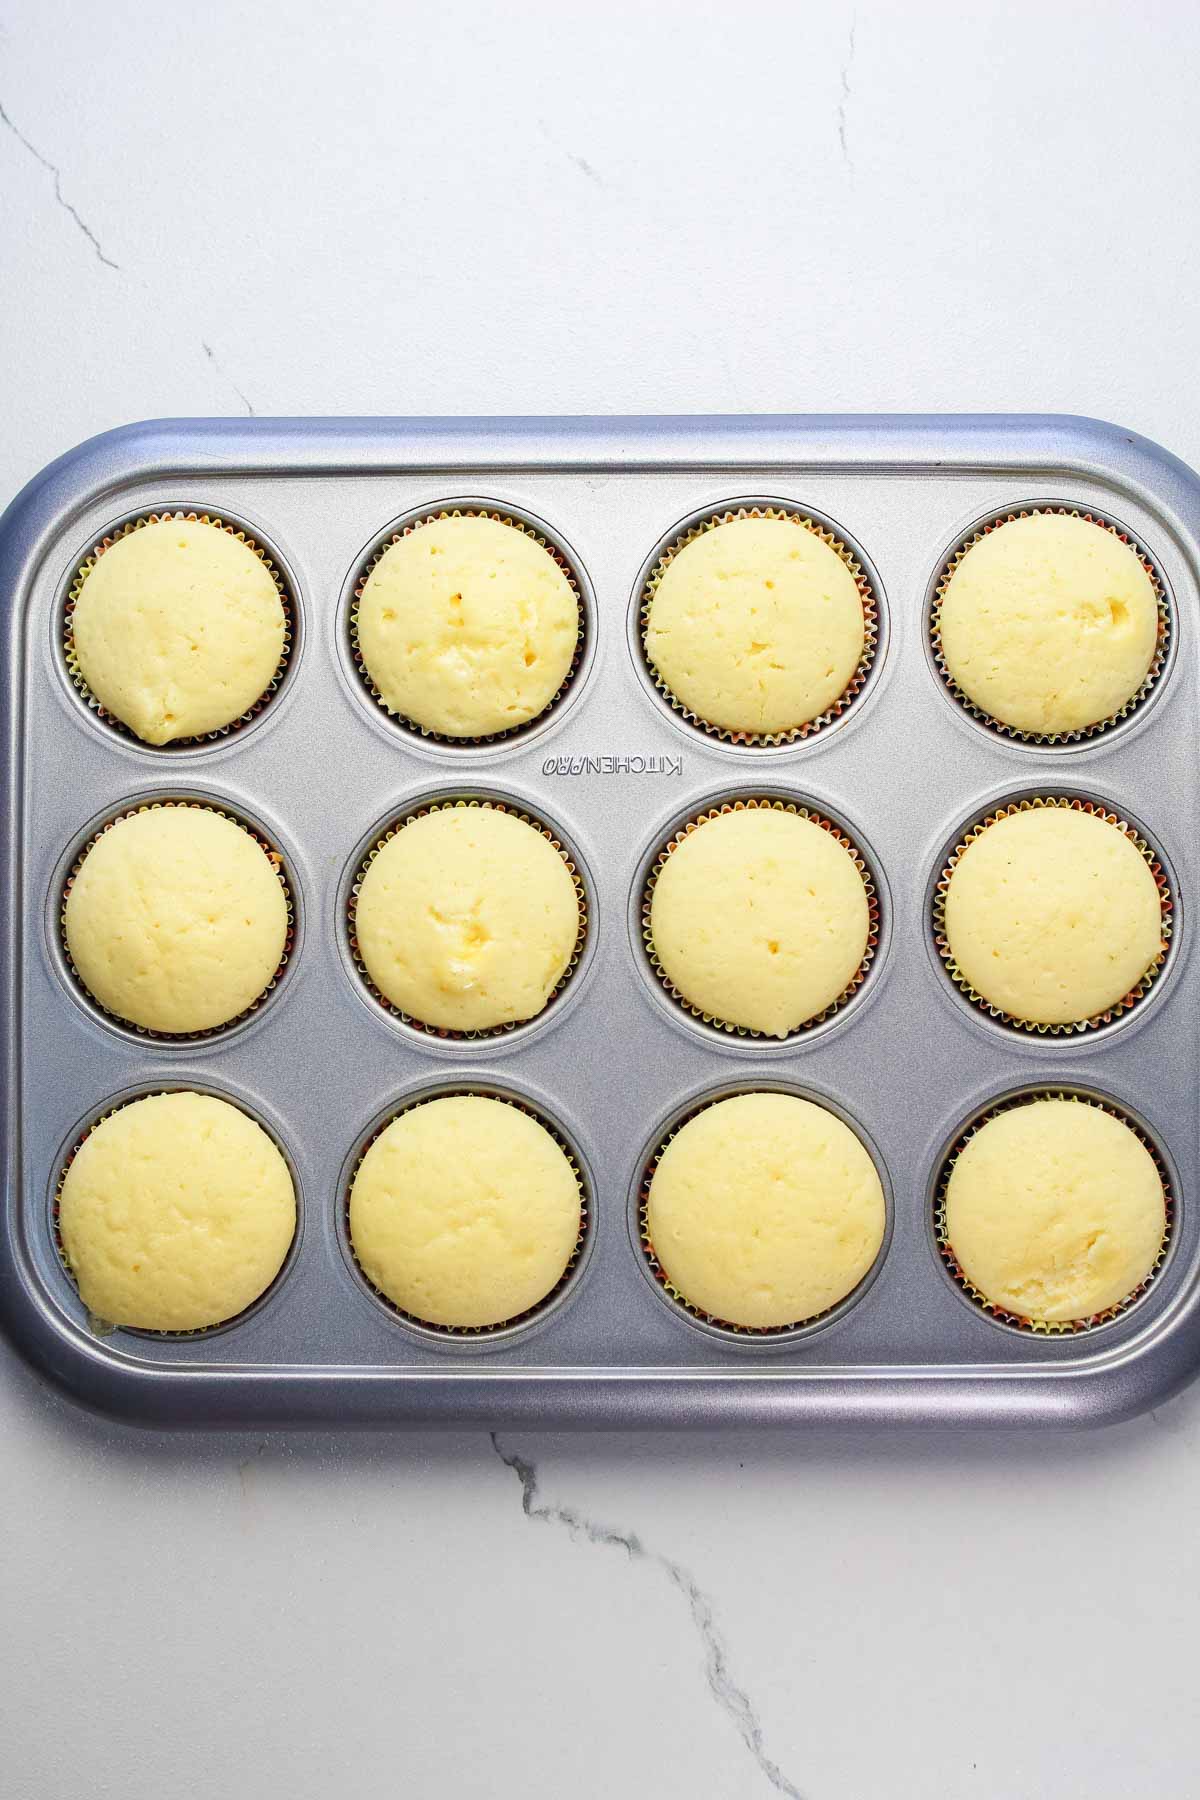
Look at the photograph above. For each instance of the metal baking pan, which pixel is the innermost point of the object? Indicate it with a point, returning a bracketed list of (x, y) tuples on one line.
[(613, 1062)]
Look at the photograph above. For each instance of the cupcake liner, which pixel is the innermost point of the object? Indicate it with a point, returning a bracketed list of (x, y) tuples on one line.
[(1072, 1026), (1085, 732), (144, 1031), (473, 1333), (85, 568), (105, 1327), (775, 804), (747, 1333), (445, 1034), (500, 518), (870, 606), (1017, 1321)]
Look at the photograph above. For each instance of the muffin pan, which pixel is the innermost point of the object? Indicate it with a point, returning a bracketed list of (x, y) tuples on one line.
[(615, 1062)]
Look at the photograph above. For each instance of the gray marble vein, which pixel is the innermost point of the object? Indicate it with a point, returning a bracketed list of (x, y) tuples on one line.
[(733, 1700), (844, 100), (102, 255), (215, 360), (61, 198), (572, 156)]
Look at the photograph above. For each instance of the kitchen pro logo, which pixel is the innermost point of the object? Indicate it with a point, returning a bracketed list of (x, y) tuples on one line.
[(613, 765)]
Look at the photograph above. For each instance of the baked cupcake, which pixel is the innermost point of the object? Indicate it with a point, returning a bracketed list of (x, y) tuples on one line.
[(1048, 623), (175, 1213), (177, 629), (176, 919), (764, 1211), (465, 1212), (1052, 915), (467, 919), (756, 625), (467, 626), (759, 918), (1054, 1211)]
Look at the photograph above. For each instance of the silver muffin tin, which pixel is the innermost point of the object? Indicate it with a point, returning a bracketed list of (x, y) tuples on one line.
[(613, 1062)]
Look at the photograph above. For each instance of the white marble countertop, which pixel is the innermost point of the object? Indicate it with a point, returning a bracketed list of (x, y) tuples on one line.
[(378, 208)]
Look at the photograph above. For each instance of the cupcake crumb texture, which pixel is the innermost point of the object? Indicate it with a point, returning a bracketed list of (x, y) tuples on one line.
[(467, 919), (176, 920), (756, 626), (1049, 623), (178, 629), (1052, 915), (765, 1210), (759, 918), (176, 1213), (467, 627), (465, 1212), (1055, 1211)]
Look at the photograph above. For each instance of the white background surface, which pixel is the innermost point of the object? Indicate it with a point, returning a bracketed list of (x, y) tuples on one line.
[(540, 208)]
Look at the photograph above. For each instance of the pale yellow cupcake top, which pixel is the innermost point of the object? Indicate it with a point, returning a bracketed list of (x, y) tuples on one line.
[(765, 1210), (1049, 623), (467, 918), (467, 626), (465, 1211), (176, 920), (760, 918), (178, 629), (1052, 915), (1055, 1211), (756, 626), (177, 1212)]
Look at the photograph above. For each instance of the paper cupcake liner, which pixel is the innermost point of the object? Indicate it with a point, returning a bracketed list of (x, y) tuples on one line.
[(499, 518), (473, 1333), (85, 568), (870, 606), (272, 855), (1046, 1327), (748, 1333), (775, 804), (105, 1327), (443, 1033), (1084, 732), (1071, 1026)]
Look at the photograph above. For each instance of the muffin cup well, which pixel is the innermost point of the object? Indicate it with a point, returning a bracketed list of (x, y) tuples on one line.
[(572, 864), (723, 1027), (1153, 859), (1057, 1328), (745, 1336), (517, 521), (83, 570), (1085, 733), (104, 1327), (465, 1336), (865, 582), (144, 1033)]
